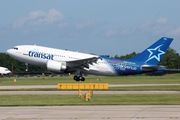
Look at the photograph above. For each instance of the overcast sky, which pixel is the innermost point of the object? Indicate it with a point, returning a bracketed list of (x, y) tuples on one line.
[(103, 27)]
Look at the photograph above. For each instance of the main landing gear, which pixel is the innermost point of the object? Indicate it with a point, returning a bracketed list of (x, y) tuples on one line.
[(79, 78)]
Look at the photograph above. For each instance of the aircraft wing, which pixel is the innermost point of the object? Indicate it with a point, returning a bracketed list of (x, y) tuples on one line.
[(82, 62)]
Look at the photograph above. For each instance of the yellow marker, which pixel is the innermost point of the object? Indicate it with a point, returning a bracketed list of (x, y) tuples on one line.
[(14, 80), (80, 93), (90, 93), (87, 96)]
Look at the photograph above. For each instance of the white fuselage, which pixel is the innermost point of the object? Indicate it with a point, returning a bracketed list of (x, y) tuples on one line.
[(38, 55)]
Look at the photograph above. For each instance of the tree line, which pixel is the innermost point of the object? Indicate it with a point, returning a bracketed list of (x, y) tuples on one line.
[(171, 60)]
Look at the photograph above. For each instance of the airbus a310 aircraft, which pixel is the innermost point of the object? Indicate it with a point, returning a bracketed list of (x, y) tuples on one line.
[(59, 60)]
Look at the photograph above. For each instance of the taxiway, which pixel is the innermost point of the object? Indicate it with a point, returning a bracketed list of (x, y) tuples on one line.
[(137, 112)]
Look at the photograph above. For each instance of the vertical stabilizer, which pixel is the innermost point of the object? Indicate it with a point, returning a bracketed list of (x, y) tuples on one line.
[(153, 54)]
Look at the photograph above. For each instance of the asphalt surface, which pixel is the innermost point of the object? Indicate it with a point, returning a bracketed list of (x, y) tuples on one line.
[(137, 112), (83, 92), (75, 92), (55, 86)]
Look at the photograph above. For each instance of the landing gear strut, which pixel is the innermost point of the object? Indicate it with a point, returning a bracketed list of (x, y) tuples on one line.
[(79, 76)]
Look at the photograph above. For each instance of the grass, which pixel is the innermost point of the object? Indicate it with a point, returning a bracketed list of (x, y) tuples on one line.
[(137, 79), (60, 100)]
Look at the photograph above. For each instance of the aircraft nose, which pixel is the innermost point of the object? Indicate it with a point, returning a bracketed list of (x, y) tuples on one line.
[(9, 52)]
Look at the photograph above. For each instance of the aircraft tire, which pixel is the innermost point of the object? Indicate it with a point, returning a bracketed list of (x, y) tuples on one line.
[(76, 78), (79, 78), (83, 79)]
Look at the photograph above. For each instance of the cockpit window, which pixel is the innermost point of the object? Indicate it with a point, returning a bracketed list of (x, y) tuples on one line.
[(15, 48)]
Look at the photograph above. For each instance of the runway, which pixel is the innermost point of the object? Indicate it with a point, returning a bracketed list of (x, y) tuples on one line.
[(137, 112)]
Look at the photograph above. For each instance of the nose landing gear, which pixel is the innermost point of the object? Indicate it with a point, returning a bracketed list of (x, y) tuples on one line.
[(26, 66)]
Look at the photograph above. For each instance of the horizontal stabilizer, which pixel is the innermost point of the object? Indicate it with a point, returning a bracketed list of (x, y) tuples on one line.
[(152, 68)]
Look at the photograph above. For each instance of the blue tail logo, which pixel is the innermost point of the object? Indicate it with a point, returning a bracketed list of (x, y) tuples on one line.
[(153, 54)]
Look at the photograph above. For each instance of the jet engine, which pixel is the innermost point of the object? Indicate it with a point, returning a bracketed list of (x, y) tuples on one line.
[(56, 66)]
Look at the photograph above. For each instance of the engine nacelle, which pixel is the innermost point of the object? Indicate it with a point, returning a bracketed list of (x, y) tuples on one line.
[(56, 66)]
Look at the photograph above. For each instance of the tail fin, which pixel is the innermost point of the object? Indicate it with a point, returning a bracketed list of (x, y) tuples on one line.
[(153, 54)]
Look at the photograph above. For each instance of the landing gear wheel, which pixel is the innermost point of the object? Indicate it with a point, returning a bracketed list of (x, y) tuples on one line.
[(76, 78), (83, 79), (79, 78)]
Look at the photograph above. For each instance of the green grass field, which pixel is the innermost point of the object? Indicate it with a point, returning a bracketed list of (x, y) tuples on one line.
[(60, 100), (138, 79)]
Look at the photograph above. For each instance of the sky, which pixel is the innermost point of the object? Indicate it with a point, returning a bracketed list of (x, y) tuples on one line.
[(102, 27)]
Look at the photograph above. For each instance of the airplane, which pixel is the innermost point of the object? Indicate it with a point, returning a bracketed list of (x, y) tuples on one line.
[(59, 60), (4, 71)]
